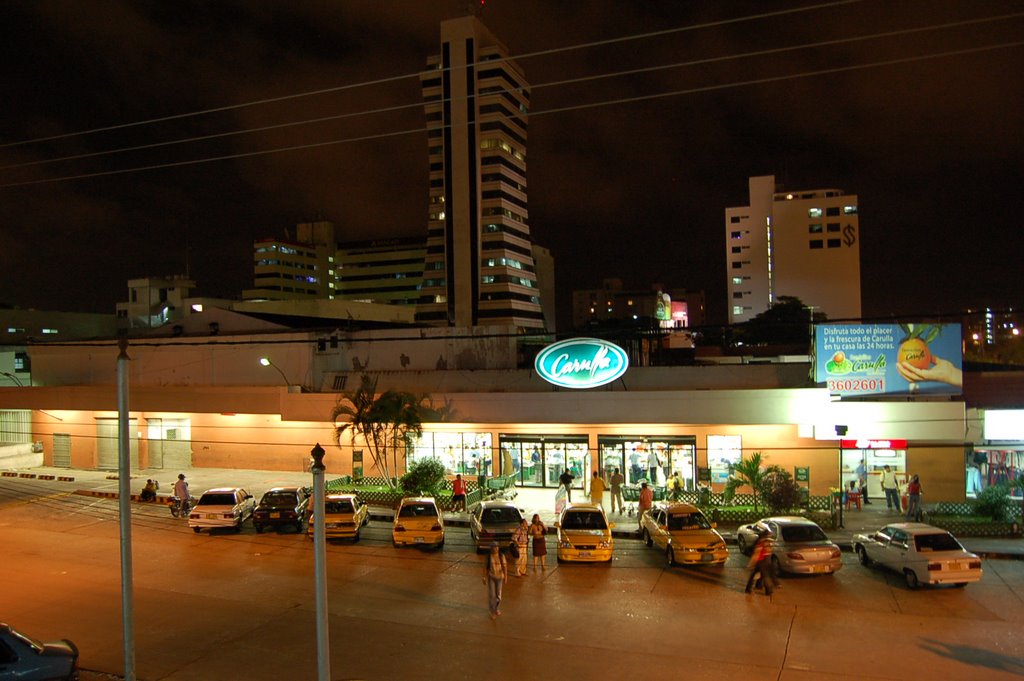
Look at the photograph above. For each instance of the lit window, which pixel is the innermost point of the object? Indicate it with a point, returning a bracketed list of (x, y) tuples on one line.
[(814, 228), (737, 309), (49, 331), (197, 307), (737, 280), (814, 212), (850, 210)]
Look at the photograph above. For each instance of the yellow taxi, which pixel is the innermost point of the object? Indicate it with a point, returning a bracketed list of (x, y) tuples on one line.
[(584, 534), (684, 534), (418, 522), (344, 516)]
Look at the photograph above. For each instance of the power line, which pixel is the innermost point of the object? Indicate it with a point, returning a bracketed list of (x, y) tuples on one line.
[(528, 55), (574, 107), (533, 88)]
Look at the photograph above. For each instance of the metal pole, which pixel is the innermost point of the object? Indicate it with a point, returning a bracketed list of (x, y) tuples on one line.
[(125, 510), (323, 652)]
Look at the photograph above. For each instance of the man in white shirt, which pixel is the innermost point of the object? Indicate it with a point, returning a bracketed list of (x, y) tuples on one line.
[(891, 489)]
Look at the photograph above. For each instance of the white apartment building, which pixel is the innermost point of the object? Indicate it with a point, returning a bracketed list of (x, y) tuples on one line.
[(804, 244), (479, 266), (297, 268), (154, 301)]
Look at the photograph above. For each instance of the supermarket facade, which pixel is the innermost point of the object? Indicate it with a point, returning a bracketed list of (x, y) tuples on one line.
[(210, 403)]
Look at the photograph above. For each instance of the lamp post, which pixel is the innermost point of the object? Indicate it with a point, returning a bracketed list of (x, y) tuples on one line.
[(323, 652), (265, 361)]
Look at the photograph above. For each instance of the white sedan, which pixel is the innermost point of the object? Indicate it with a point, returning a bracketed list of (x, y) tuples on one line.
[(923, 554), (222, 507)]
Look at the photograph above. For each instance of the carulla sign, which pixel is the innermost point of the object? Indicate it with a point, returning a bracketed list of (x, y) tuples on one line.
[(581, 363)]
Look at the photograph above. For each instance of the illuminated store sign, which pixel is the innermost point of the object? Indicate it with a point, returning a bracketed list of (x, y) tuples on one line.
[(874, 444), (581, 363)]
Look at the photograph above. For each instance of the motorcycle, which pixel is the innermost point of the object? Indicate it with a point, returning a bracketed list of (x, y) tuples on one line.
[(179, 510)]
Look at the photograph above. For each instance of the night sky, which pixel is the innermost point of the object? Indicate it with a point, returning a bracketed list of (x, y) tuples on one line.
[(933, 147)]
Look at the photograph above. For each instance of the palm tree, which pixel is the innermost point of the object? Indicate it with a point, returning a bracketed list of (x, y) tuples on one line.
[(384, 422), (747, 472)]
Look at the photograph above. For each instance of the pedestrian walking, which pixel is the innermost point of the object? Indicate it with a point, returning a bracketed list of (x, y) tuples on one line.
[(522, 539), (914, 499), (538, 534), (891, 489), (495, 576), (761, 564), (616, 489), (645, 502), (597, 486), (565, 480)]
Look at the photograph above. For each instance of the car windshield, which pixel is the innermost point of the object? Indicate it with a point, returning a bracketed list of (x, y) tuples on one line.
[(279, 499), (802, 533), (936, 542), (342, 506), (584, 520), (688, 521), (418, 511), (500, 515), (227, 499)]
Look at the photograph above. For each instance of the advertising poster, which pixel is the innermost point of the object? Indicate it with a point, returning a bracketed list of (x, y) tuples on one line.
[(880, 359)]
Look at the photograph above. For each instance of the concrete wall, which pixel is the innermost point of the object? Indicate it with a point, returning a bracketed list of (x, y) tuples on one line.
[(19, 456)]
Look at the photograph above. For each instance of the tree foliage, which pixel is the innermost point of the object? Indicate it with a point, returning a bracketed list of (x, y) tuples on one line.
[(385, 422), (787, 322), (747, 473), (779, 490), (425, 477)]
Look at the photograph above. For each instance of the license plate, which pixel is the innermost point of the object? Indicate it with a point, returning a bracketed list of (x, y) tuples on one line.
[(212, 516), (819, 568), (707, 558), (418, 540), (584, 554), (955, 566), (275, 515), (332, 525)]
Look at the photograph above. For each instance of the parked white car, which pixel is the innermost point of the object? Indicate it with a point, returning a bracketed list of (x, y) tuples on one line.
[(222, 507), (923, 554)]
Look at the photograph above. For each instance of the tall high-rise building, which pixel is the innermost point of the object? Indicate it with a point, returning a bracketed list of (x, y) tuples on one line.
[(804, 244), (479, 268)]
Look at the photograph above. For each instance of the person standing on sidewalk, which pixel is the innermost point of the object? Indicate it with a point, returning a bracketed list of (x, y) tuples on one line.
[(181, 491), (459, 493), (913, 499), (616, 483), (862, 481), (597, 490), (495, 576), (538, 534), (522, 539), (646, 501), (891, 489)]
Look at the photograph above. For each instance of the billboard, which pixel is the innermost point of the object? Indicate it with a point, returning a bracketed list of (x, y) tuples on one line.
[(581, 363), (885, 359)]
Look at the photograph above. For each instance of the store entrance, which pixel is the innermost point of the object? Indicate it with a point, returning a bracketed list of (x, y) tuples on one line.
[(874, 460), (654, 459), (542, 459)]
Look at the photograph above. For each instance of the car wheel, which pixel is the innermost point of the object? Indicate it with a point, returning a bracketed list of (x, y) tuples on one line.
[(647, 538), (671, 556), (259, 528), (394, 543), (197, 530), (741, 543), (960, 585), (863, 555), (911, 576)]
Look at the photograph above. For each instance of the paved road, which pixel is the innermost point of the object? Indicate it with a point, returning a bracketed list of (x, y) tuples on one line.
[(227, 606)]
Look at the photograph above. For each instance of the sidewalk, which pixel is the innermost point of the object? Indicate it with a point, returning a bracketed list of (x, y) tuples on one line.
[(529, 500)]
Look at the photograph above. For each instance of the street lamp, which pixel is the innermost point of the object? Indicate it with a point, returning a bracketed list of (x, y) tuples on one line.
[(265, 361), (323, 650)]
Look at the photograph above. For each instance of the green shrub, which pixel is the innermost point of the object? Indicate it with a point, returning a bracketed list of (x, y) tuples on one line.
[(994, 502), (425, 477), (779, 490)]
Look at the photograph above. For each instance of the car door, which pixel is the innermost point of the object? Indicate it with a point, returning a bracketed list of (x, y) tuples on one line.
[(660, 534), (878, 545), (897, 551)]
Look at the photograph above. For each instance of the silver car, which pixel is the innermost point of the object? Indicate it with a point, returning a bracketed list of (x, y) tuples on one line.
[(494, 520), (800, 546)]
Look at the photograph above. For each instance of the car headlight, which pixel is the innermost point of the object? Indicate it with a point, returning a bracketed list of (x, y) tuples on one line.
[(604, 545), (564, 544)]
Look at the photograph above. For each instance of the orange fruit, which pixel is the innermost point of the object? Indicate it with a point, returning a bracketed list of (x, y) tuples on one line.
[(839, 357), (915, 352)]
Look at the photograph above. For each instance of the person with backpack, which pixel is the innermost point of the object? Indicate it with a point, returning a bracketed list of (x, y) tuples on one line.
[(495, 576)]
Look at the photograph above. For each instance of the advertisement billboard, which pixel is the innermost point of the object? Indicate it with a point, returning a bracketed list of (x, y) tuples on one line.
[(881, 359)]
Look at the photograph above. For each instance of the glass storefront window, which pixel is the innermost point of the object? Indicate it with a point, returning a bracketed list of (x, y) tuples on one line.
[(465, 453), (541, 460), (653, 459), (723, 451), (874, 460), (987, 467)]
